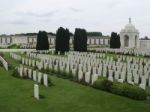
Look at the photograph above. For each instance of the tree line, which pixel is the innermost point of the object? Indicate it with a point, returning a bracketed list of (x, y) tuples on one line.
[(79, 40), (94, 34), (62, 40)]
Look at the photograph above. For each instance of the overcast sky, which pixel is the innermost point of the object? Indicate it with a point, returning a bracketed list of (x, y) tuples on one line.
[(20, 16)]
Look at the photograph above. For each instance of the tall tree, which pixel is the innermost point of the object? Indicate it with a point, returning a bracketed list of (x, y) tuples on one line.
[(42, 41), (80, 40), (118, 41), (62, 40), (115, 41)]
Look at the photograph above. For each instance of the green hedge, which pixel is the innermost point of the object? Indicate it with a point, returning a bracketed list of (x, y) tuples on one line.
[(117, 88), (122, 89), (134, 92), (103, 84)]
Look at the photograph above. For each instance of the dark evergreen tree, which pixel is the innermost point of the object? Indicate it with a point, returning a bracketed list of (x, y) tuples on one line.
[(42, 41), (62, 40), (118, 41), (115, 41), (80, 40), (94, 34)]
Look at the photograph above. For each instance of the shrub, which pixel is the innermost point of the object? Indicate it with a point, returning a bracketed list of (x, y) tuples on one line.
[(47, 70), (35, 68), (103, 84), (115, 58), (123, 89), (70, 76), (52, 70), (64, 75), (134, 92), (15, 73), (106, 85), (49, 81), (117, 88)]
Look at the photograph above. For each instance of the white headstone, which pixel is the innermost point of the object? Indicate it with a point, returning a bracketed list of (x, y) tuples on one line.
[(120, 80), (87, 77), (94, 78), (30, 73), (45, 80), (36, 91), (143, 86), (34, 76), (80, 75), (39, 77), (21, 71)]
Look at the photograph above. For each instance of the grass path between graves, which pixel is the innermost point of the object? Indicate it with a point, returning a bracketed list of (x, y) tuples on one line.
[(64, 96)]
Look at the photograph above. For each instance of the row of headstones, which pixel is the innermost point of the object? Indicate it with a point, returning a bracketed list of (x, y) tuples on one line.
[(109, 67), (102, 55), (37, 76), (33, 63), (56, 67), (26, 46), (133, 59), (130, 78), (130, 67), (119, 57), (80, 75), (95, 74), (29, 61), (112, 63), (91, 78), (5, 64), (62, 68), (134, 64), (34, 54), (15, 56), (33, 75), (67, 67), (136, 52), (25, 61), (121, 76)]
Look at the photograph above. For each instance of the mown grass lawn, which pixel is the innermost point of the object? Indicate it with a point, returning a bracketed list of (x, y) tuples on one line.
[(64, 96)]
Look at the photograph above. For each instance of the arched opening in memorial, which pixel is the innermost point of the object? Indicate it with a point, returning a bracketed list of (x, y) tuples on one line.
[(126, 40)]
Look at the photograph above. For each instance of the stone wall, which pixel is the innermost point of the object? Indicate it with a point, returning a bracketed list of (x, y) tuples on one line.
[(145, 44)]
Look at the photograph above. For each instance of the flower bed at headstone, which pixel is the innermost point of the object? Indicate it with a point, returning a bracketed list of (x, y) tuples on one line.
[(122, 89)]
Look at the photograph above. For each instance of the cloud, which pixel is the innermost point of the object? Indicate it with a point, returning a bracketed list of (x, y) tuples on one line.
[(19, 22), (39, 15), (113, 4), (98, 15), (75, 9)]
